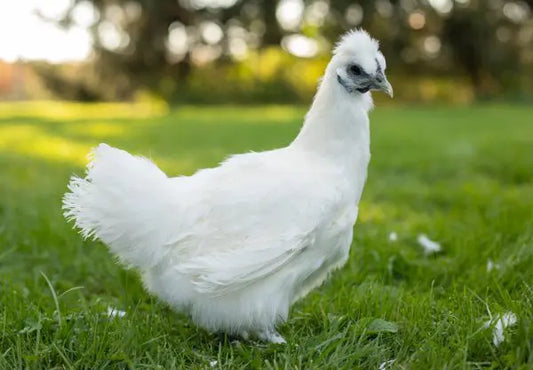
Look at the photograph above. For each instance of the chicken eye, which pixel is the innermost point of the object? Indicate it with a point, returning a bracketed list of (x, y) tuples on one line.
[(355, 69)]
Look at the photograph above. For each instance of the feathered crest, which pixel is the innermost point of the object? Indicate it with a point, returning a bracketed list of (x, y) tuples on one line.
[(355, 41)]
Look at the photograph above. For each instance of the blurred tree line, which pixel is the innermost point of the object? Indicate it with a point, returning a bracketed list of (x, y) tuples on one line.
[(275, 50)]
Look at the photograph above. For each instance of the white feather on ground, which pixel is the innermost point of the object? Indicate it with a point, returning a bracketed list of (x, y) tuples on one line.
[(113, 312), (492, 266), (429, 245), (386, 364), (499, 324), (234, 246)]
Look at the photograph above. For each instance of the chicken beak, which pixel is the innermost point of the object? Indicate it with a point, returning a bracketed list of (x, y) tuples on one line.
[(381, 84), (385, 86), (387, 89)]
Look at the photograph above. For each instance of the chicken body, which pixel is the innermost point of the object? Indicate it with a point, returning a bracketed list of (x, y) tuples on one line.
[(234, 246)]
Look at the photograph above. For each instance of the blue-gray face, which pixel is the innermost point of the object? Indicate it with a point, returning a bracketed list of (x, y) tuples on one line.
[(355, 78)]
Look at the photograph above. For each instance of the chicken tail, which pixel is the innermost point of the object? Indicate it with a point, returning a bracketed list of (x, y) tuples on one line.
[(122, 202)]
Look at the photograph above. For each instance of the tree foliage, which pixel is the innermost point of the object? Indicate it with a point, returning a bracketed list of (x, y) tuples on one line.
[(145, 43)]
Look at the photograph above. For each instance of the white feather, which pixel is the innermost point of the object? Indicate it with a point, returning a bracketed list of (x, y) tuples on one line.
[(429, 245), (235, 245), (499, 324)]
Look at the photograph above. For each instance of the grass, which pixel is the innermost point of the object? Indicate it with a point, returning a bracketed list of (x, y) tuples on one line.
[(463, 176)]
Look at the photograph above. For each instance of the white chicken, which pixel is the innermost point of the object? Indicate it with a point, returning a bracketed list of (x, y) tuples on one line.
[(234, 246)]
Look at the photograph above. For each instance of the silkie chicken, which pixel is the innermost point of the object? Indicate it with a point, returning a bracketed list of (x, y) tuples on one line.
[(234, 246)]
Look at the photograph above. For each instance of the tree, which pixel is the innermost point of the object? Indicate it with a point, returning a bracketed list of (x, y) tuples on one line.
[(156, 44)]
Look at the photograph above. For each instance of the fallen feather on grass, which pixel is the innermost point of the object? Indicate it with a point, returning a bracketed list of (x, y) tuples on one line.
[(393, 236), (113, 312), (499, 323), (492, 266), (386, 364), (429, 245)]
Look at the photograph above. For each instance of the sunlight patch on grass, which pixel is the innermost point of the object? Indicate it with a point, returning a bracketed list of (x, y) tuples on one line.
[(372, 212), (97, 129), (68, 111), (251, 114), (29, 140), (397, 217), (32, 141), (174, 167)]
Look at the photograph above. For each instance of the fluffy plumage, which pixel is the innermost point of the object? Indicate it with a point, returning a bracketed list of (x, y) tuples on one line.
[(234, 246)]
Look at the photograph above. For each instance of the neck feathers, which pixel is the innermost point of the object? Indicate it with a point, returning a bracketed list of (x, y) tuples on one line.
[(336, 120)]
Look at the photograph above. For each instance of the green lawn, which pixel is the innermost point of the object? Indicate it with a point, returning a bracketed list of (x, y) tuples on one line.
[(462, 176)]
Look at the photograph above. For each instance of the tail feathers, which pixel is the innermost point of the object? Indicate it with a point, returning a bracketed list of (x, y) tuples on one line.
[(122, 202)]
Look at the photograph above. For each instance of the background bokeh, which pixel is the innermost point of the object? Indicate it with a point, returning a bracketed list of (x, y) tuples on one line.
[(238, 51)]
